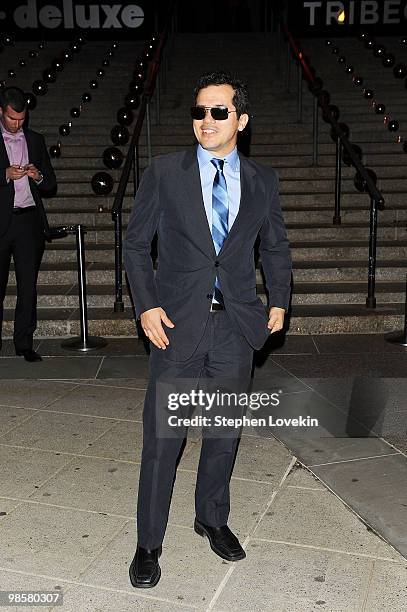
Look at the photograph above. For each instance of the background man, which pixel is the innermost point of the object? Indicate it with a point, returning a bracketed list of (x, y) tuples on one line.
[(200, 311), (24, 166)]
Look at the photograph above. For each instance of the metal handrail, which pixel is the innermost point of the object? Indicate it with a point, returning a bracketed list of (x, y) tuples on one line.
[(132, 158), (376, 198), (311, 79)]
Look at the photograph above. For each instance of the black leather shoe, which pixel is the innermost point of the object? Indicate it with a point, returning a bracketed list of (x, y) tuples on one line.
[(29, 355), (222, 541), (144, 570)]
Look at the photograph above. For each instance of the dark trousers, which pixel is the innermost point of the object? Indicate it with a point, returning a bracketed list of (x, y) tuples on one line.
[(221, 354), (24, 241)]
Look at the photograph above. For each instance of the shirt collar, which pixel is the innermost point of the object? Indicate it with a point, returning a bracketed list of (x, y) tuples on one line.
[(9, 135), (232, 159)]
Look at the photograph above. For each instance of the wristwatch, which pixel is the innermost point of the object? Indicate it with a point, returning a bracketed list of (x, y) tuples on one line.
[(40, 179)]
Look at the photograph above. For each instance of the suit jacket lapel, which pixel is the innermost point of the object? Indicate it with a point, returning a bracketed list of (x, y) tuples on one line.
[(28, 140), (3, 150), (35, 194), (247, 191), (192, 183)]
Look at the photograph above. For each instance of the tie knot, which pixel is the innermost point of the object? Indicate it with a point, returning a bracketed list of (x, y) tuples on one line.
[(218, 163)]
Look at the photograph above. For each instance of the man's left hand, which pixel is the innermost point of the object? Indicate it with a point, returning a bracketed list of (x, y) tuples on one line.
[(33, 172), (276, 319)]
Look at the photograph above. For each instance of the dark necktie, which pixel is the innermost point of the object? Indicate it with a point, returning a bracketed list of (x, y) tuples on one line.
[(220, 215)]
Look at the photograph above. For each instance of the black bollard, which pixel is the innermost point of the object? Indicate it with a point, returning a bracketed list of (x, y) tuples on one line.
[(84, 342), (400, 337)]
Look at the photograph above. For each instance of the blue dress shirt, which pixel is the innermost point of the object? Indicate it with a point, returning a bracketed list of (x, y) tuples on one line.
[(231, 170)]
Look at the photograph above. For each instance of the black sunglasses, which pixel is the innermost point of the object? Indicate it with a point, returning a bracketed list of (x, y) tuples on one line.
[(219, 113)]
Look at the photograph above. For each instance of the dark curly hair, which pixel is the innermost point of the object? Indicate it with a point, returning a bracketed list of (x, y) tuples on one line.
[(220, 77), (14, 97)]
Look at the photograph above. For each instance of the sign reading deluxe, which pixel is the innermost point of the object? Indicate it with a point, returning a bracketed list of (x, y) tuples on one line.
[(343, 17), (38, 17)]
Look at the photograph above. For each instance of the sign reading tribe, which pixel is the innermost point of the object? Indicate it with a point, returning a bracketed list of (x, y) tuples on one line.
[(352, 12)]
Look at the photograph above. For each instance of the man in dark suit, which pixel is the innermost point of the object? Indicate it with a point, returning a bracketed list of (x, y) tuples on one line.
[(201, 312), (25, 168)]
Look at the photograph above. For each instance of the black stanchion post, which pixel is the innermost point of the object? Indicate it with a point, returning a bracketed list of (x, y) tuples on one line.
[(371, 279), (338, 178), (85, 342), (315, 134), (400, 337)]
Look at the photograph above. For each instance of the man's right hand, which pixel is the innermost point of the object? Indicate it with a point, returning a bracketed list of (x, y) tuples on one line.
[(151, 323), (13, 173)]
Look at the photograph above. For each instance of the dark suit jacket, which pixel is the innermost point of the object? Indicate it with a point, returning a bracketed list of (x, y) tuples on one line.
[(37, 155), (169, 201)]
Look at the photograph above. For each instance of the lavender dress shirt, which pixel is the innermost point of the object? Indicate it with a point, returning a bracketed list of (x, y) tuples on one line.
[(17, 151)]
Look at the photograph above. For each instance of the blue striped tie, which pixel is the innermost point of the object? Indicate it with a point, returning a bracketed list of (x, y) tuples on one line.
[(220, 214)]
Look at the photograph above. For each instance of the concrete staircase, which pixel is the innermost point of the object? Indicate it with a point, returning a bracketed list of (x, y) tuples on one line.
[(330, 262), (75, 201)]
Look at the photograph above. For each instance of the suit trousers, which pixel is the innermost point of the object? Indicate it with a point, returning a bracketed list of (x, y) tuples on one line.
[(24, 241), (222, 354)]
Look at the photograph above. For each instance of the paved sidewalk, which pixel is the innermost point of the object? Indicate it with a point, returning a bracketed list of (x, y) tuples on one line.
[(70, 450)]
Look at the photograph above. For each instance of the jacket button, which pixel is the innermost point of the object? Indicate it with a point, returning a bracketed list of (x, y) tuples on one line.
[(209, 296), (217, 264)]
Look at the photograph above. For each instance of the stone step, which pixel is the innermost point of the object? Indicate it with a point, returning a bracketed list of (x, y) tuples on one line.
[(83, 174), (100, 232), (82, 144), (74, 157), (378, 158), (81, 184), (367, 134), (67, 172), (297, 203), (102, 272), (261, 134), (102, 296), (318, 232), (84, 188), (301, 251), (107, 301), (306, 319), (91, 217), (351, 200), (346, 270), (325, 173)]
